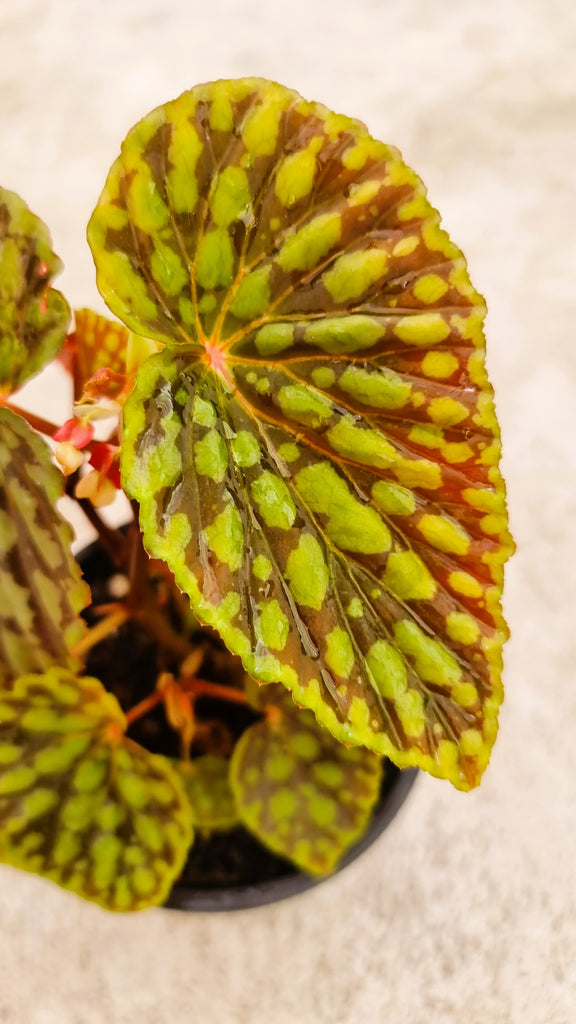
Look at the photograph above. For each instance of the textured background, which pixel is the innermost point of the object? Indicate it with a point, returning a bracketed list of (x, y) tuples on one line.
[(465, 911)]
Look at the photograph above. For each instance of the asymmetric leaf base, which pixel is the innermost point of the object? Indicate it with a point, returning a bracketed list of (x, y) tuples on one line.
[(315, 451)]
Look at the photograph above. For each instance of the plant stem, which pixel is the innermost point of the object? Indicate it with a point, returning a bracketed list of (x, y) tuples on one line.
[(112, 540), (195, 687), (144, 706), (99, 632), (139, 563), (205, 688)]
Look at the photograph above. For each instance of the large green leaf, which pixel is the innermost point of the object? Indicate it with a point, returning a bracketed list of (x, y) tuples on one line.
[(33, 316), (302, 793), (41, 589), (81, 804), (315, 452)]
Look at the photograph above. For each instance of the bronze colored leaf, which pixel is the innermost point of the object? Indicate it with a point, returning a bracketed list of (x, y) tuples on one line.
[(82, 805), (103, 355), (302, 793), (33, 316), (41, 589), (316, 451)]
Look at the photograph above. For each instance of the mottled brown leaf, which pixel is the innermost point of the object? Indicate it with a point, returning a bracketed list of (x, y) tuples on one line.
[(33, 316), (41, 589), (315, 452)]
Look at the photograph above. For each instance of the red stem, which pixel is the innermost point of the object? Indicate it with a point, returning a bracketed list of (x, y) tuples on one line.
[(39, 424), (197, 687), (204, 688)]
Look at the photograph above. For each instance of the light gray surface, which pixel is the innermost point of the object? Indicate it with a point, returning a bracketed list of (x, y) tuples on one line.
[(465, 911)]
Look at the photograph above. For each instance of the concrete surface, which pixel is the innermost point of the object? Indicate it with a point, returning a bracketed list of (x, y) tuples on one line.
[(465, 911)]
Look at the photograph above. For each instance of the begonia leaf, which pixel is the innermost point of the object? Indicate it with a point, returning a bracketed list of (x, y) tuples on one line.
[(80, 803), (33, 315), (102, 354), (315, 451), (207, 783), (41, 588), (302, 793)]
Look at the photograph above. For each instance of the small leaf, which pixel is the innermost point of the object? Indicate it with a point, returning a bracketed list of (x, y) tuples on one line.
[(33, 316), (41, 589), (103, 355), (207, 783), (315, 451), (302, 793), (82, 805)]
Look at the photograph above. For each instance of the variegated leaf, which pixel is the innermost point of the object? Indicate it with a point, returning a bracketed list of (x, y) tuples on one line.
[(41, 589), (315, 452), (207, 783), (33, 316), (302, 793), (98, 345), (82, 805)]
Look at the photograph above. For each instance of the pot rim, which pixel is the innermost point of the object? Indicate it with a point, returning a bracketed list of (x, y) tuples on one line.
[(396, 787)]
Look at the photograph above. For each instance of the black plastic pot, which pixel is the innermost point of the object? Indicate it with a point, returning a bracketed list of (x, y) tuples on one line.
[(269, 878), (397, 784)]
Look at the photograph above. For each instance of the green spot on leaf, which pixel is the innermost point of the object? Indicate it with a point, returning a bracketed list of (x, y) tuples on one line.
[(273, 626), (261, 567), (306, 247), (225, 537), (245, 449), (388, 669), (354, 273), (215, 260), (383, 389), (350, 524), (303, 405), (307, 573), (211, 456), (339, 652), (253, 295), (274, 501), (231, 199)]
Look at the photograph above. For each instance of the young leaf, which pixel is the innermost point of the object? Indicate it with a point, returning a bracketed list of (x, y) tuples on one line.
[(41, 589), (207, 783), (33, 316), (315, 452), (103, 353), (302, 793), (79, 803)]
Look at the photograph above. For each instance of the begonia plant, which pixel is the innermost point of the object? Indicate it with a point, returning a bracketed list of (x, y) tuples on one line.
[(294, 398)]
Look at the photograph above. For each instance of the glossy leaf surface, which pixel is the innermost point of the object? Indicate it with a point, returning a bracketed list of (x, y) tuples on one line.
[(302, 793), (315, 452), (207, 783), (79, 803), (33, 316), (41, 588)]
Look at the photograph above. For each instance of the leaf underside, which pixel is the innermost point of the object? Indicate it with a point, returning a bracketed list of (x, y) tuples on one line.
[(315, 451), (33, 316), (82, 805), (41, 589), (302, 793)]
